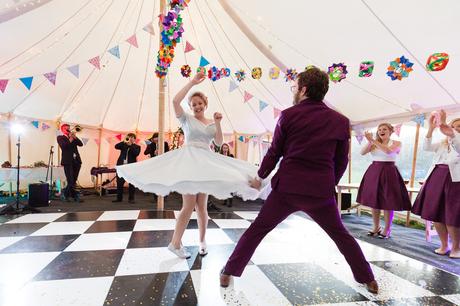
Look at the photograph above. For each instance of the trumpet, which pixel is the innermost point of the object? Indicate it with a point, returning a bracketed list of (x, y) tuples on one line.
[(76, 129)]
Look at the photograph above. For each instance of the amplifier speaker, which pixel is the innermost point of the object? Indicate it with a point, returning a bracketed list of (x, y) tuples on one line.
[(346, 200), (39, 195)]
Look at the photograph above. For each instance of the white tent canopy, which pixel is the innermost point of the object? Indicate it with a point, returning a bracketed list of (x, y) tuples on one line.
[(123, 95)]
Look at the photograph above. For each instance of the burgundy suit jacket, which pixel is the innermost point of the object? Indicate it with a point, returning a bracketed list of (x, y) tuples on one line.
[(314, 142)]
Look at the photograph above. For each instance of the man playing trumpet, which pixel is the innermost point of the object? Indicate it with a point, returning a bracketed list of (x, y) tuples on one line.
[(69, 143), (129, 151)]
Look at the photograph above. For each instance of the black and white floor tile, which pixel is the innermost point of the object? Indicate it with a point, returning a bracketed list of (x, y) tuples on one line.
[(121, 258)]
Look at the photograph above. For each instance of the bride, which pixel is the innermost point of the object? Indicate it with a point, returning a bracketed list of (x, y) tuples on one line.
[(193, 170)]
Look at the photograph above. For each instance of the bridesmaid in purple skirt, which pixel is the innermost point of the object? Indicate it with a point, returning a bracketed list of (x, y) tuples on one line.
[(382, 187), (439, 199)]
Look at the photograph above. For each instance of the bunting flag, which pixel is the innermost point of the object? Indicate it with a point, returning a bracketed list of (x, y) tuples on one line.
[(359, 138), (96, 140), (3, 84), (85, 141), (420, 119), (233, 86), (35, 123), (27, 82), (75, 70), (398, 129), (241, 138), (51, 76), (133, 41), (262, 105), (203, 62), (247, 96), (118, 136), (188, 47), (149, 28), (45, 126), (115, 51), (147, 142), (276, 112), (231, 144), (96, 62)]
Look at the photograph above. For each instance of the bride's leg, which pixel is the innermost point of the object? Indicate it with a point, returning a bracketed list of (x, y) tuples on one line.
[(202, 215), (188, 203)]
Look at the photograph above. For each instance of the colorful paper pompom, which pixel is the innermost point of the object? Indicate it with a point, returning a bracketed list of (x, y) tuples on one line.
[(365, 69), (399, 68), (274, 73), (337, 72), (256, 73), (240, 75), (214, 73), (186, 71), (290, 75), (437, 61)]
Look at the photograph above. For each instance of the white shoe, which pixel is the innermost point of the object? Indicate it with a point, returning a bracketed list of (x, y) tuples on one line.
[(203, 249), (181, 253)]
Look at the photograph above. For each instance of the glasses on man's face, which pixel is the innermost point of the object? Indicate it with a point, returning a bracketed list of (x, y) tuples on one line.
[(294, 88)]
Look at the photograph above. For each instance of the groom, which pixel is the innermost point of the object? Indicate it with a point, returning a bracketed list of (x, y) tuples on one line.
[(313, 141)]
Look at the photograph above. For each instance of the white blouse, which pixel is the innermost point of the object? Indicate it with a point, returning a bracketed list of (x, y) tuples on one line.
[(378, 155), (446, 154)]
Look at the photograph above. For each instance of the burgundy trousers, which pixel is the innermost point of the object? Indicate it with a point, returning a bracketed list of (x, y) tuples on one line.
[(278, 207)]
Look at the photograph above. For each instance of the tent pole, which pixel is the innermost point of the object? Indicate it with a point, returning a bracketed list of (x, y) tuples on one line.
[(235, 141), (9, 139), (161, 110), (414, 164), (349, 159), (250, 35)]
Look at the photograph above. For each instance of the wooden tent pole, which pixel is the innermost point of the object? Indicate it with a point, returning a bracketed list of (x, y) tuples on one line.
[(161, 110), (414, 165), (235, 141)]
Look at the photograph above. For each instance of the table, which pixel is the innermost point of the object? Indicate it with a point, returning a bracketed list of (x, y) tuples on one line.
[(29, 175)]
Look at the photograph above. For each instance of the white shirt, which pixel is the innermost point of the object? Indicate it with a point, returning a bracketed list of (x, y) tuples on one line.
[(379, 155), (446, 154)]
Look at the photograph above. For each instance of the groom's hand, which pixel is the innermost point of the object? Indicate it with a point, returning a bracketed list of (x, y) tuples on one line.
[(255, 183)]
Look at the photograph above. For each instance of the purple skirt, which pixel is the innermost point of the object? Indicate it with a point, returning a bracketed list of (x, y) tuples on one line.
[(382, 187), (439, 199)]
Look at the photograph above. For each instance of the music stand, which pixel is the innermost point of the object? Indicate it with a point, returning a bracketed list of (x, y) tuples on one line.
[(49, 171)]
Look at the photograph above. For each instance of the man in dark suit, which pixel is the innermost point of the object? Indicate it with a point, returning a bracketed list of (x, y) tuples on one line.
[(152, 147), (68, 142), (129, 151), (313, 141)]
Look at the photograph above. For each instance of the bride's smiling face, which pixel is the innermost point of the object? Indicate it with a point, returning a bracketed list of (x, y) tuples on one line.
[(198, 106)]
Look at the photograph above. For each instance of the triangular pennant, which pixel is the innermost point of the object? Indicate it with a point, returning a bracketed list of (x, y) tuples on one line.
[(359, 138), (75, 70), (188, 47), (96, 62), (51, 76), (247, 96), (233, 86), (133, 41), (231, 143), (246, 139), (276, 112), (96, 140), (35, 123), (420, 119), (262, 105), (45, 126), (149, 28), (27, 82), (241, 138), (398, 129), (203, 62), (85, 141), (115, 51), (118, 136), (3, 84)]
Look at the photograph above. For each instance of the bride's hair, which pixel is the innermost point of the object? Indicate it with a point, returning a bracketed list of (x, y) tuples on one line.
[(200, 95)]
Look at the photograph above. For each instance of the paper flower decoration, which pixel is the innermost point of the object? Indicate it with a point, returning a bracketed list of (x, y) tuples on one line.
[(420, 119), (337, 72), (256, 73), (240, 75), (225, 72), (202, 70), (437, 61), (291, 75), (214, 73), (365, 69), (274, 73), (309, 67), (186, 71), (170, 36), (399, 68)]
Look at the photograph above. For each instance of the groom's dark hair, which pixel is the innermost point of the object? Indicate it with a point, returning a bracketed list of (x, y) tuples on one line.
[(316, 81)]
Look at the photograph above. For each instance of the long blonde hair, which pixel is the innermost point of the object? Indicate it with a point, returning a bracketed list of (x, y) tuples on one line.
[(377, 136)]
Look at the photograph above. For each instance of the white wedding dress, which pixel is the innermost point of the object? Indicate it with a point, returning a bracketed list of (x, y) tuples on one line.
[(194, 168)]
